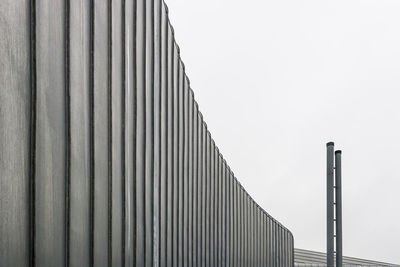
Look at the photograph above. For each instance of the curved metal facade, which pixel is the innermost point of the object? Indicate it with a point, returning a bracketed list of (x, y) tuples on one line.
[(105, 159)]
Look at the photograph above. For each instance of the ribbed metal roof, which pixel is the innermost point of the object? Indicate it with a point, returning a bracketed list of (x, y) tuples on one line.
[(304, 258)]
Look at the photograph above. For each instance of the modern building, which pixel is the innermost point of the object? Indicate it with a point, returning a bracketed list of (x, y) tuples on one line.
[(307, 258)]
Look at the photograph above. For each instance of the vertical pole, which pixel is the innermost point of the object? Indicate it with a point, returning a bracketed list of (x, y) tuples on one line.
[(329, 205), (338, 178)]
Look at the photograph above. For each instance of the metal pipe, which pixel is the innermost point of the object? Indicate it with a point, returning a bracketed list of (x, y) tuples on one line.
[(338, 178), (329, 205)]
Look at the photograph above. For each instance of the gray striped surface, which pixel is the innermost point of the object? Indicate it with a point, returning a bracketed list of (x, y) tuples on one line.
[(307, 258), (105, 158)]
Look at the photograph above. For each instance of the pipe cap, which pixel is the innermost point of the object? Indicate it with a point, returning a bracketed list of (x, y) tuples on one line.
[(330, 144)]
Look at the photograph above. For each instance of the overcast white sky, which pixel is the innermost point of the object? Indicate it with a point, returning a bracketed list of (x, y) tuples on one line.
[(276, 80)]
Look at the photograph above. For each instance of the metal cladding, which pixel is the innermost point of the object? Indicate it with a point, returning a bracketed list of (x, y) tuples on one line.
[(105, 158), (307, 258)]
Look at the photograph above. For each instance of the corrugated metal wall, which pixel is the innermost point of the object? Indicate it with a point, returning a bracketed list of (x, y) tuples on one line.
[(307, 258), (105, 158)]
